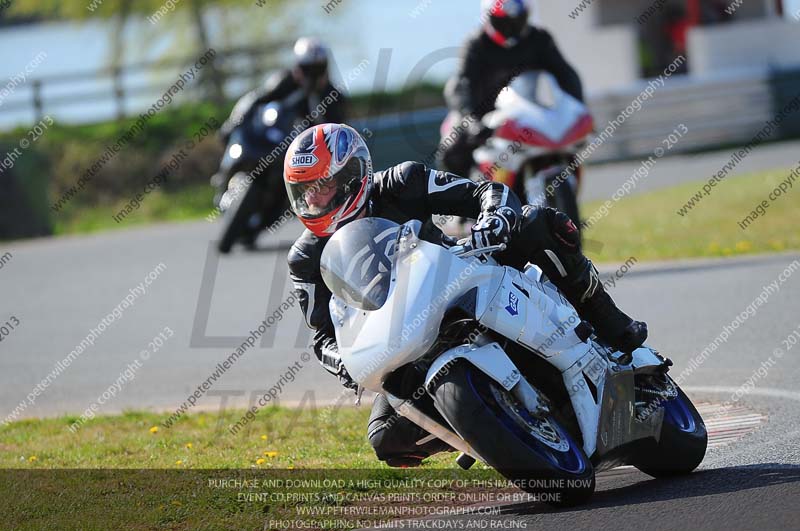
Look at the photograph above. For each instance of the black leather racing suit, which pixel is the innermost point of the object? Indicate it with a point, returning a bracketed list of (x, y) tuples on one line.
[(279, 86), (401, 193), (412, 191), (485, 69)]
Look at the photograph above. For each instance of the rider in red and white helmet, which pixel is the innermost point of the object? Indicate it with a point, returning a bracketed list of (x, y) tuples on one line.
[(330, 182), (328, 175)]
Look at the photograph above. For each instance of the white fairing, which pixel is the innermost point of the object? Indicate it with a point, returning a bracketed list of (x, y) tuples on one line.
[(522, 104), (526, 311), (545, 322), (427, 279)]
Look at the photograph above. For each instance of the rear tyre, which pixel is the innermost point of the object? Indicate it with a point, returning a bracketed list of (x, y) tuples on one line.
[(539, 456), (564, 199), (682, 444)]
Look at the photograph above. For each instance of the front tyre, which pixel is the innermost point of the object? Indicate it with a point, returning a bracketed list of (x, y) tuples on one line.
[(564, 199), (237, 218), (682, 444), (539, 456), (549, 187)]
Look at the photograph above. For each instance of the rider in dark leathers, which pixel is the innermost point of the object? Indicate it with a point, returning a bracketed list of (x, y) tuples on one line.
[(329, 178), (505, 47), (309, 75)]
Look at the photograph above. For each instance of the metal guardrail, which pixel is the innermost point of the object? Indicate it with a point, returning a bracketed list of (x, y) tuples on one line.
[(715, 112)]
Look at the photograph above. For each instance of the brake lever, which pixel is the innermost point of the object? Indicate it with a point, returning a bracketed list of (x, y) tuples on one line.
[(359, 392), (483, 250)]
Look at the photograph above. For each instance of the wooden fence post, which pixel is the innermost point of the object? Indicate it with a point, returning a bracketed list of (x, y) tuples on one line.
[(119, 92), (38, 106)]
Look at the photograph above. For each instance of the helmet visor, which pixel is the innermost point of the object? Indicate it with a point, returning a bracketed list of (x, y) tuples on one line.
[(313, 71), (510, 27), (314, 199)]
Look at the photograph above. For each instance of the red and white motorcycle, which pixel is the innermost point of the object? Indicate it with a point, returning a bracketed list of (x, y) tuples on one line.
[(538, 131)]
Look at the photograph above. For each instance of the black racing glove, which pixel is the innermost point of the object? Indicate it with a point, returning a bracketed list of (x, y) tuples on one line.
[(345, 379), (328, 354), (493, 228)]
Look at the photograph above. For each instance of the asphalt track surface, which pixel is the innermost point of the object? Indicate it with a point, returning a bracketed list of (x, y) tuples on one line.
[(59, 289)]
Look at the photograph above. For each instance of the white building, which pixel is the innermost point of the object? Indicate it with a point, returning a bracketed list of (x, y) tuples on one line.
[(613, 43)]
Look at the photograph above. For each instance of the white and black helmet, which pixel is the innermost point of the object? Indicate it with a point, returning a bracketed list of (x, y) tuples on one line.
[(311, 59)]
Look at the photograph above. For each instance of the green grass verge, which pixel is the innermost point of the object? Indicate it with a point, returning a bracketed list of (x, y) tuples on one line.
[(193, 202), (648, 227), (200, 440), (120, 472)]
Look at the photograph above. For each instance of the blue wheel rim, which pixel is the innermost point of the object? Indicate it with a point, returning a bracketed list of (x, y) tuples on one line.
[(571, 461), (679, 414)]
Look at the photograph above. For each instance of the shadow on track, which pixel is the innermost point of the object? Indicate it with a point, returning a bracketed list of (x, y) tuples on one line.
[(645, 490)]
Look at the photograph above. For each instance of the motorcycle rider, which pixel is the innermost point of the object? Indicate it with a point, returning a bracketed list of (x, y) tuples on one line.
[(505, 47), (303, 89), (309, 75), (330, 182)]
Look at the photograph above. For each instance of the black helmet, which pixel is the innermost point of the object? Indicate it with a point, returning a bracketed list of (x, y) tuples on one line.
[(505, 21)]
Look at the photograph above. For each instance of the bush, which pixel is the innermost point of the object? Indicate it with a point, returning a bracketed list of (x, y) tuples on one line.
[(23, 203), (53, 165), (71, 151)]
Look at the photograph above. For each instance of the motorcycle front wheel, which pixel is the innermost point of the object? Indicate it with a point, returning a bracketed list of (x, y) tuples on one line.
[(549, 189), (564, 199), (537, 455), (237, 216)]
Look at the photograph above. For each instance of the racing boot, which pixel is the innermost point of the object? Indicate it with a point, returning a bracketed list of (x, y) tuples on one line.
[(610, 323), (555, 244)]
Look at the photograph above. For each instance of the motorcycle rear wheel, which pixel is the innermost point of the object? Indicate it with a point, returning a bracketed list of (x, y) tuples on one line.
[(538, 455), (682, 444)]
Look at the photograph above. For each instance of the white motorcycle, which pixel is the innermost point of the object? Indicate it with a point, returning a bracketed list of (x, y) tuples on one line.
[(497, 364), (538, 130)]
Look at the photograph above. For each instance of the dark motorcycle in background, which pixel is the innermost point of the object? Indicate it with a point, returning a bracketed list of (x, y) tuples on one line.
[(249, 182)]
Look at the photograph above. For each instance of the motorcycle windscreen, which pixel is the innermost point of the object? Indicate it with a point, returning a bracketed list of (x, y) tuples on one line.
[(357, 262), (536, 87)]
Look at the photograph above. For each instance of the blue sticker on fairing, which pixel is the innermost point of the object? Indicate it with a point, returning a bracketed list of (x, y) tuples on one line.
[(513, 304)]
